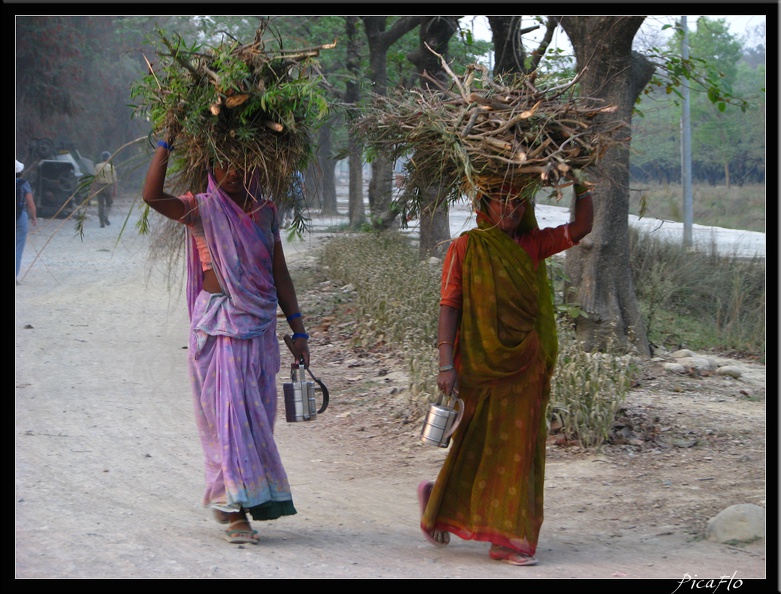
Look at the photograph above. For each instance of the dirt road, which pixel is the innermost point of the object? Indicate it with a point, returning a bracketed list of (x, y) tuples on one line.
[(108, 470)]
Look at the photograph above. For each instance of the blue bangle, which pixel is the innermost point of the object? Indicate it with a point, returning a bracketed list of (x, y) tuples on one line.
[(303, 335), (164, 144), (292, 317)]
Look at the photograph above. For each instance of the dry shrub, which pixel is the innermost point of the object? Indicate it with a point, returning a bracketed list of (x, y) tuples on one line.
[(699, 299), (396, 300), (473, 130)]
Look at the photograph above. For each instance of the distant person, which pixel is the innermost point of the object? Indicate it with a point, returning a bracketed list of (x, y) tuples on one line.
[(25, 211), (105, 187)]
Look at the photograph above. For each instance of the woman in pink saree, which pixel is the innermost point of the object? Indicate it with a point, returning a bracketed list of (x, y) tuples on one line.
[(237, 277)]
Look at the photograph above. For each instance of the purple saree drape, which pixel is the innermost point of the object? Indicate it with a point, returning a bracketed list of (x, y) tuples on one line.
[(234, 358)]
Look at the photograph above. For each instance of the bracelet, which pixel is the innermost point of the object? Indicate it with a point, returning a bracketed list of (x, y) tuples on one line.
[(446, 367), (441, 342), (292, 317), (583, 195), (297, 335), (164, 144)]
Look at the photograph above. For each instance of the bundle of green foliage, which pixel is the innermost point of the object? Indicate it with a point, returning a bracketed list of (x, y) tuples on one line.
[(251, 105), (472, 131)]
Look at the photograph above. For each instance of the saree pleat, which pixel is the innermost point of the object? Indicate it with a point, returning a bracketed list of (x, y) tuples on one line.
[(490, 487)]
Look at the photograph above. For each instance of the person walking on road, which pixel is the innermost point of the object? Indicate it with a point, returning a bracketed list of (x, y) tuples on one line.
[(105, 187), (237, 278), (497, 349), (25, 212)]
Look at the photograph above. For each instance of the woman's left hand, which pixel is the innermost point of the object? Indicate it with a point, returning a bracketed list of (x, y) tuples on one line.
[(301, 350), (447, 382)]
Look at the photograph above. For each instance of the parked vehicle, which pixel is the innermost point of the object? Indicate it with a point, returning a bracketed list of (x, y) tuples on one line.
[(55, 175)]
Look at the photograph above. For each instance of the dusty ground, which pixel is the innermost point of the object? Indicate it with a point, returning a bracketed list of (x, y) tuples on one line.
[(108, 472)]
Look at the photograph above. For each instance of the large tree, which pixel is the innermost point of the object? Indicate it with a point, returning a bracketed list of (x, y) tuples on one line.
[(598, 269), (72, 76), (435, 33), (717, 134), (380, 41)]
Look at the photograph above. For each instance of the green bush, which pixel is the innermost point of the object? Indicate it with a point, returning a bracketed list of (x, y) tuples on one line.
[(587, 390)]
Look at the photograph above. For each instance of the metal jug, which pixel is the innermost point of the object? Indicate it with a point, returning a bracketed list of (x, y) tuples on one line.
[(441, 421), (300, 399)]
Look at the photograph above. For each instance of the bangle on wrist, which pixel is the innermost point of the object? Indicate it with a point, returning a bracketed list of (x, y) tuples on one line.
[(441, 342), (446, 367), (164, 144), (292, 317), (303, 335)]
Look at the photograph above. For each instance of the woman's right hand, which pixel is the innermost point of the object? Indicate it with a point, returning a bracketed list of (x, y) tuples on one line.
[(153, 193), (172, 128), (447, 382)]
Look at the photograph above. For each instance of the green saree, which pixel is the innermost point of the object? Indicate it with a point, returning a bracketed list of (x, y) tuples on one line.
[(490, 487)]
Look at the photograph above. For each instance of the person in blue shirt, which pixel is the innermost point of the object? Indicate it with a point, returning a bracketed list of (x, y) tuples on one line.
[(24, 215)]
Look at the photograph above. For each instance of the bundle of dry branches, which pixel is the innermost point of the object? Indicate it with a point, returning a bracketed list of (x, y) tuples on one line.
[(476, 130), (247, 105)]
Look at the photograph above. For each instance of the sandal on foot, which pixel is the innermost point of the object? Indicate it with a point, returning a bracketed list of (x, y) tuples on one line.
[(510, 556), (243, 535), (439, 538)]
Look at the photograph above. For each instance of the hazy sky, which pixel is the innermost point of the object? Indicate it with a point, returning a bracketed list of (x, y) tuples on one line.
[(741, 25)]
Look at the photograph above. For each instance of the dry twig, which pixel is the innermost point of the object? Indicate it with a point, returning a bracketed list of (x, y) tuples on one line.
[(479, 129)]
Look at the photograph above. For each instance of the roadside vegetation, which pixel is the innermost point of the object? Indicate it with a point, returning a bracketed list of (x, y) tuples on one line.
[(694, 300)]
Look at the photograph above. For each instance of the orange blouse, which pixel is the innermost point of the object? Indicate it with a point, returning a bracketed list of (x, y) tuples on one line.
[(193, 220), (538, 243)]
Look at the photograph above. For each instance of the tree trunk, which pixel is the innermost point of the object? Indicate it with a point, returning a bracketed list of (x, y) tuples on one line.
[(356, 212), (379, 41), (435, 32), (327, 185), (434, 225), (509, 52), (598, 270)]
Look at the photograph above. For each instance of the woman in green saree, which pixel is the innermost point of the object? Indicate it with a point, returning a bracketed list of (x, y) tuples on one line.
[(497, 349)]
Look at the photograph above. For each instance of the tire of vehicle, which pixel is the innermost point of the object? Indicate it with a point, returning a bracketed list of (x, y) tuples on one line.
[(44, 149), (67, 181)]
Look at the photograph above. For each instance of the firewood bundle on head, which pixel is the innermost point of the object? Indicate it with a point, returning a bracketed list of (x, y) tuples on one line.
[(476, 132), (251, 106)]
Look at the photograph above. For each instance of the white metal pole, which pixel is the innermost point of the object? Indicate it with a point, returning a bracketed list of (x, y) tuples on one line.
[(686, 147)]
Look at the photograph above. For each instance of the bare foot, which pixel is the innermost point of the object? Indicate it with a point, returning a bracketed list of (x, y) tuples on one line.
[(499, 553), (438, 538), (221, 516)]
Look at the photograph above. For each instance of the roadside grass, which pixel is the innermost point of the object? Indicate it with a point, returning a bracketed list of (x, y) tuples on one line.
[(736, 207), (700, 301)]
